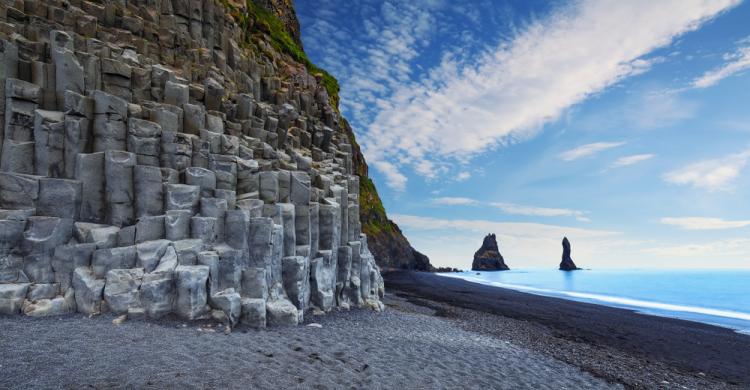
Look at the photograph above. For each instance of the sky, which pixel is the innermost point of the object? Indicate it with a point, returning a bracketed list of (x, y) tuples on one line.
[(623, 125)]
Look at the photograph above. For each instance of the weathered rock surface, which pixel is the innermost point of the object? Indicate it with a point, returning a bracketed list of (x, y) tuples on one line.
[(166, 158), (567, 263), (488, 257)]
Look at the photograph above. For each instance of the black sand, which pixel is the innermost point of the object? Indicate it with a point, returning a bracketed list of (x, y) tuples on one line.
[(619, 345)]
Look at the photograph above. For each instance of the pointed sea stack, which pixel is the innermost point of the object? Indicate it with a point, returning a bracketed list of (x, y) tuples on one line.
[(488, 257), (567, 263)]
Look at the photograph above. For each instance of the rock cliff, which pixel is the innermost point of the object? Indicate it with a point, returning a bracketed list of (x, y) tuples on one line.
[(488, 257), (175, 157), (567, 263)]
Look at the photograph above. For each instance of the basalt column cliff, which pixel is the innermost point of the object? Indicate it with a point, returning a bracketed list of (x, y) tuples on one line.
[(175, 156)]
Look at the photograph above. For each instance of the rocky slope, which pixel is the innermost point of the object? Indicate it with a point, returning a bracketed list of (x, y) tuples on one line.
[(488, 257), (175, 157)]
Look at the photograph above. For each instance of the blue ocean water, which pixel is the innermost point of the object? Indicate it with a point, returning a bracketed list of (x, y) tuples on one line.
[(717, 297)]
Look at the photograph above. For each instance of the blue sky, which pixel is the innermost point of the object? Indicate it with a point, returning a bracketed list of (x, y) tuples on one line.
[(623, 125)]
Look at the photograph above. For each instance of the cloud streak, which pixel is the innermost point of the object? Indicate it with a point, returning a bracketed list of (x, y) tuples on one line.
[(522, 84), (588, 150), (735, 62), (513, 209), (703, 223), (631, 160), (712, 174)]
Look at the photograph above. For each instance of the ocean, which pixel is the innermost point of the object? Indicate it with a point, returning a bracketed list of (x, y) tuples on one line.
[(716, 297)]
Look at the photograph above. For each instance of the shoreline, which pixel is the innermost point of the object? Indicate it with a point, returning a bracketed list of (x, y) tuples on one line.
[(620, 345), (678, 311)]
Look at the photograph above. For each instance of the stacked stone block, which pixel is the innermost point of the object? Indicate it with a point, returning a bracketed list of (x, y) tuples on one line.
[(153, 164)]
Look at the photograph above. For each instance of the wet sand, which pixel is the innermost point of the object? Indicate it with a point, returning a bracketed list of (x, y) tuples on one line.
[(618, 345)]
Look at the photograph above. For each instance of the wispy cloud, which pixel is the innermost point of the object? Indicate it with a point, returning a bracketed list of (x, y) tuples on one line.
[(734, 63), (455, 201), (630, 160), (588, 150), (513, 209), (712, 175), (704, 223), (511, 91), (736, 248)]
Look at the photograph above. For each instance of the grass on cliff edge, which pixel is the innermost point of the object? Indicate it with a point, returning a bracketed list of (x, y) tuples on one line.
[(267, 22)]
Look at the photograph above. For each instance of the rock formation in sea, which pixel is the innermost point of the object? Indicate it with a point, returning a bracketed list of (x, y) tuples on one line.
[(488, 257), (567, 263), (178, 157)]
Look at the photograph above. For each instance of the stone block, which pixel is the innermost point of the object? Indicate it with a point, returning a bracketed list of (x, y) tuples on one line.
[(121, 289), (191, 291), (12, 297), (182, 197), (17, 157), (177, 224), (105, 260), (49, 143), (149, 228), (157, 293), (88, 291), (66, 259), (281, 312), (90, 172), (149, 253), (59, 198), (149, 191), (253, 312), (296, 276)]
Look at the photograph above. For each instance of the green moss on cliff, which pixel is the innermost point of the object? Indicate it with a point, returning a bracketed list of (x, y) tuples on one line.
[(259, 20)]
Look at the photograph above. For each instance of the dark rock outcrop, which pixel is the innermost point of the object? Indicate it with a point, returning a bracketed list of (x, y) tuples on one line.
[(567, 263), (488, 257)]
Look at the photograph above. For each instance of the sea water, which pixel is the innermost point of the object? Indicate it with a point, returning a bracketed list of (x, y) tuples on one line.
[(716, 297)]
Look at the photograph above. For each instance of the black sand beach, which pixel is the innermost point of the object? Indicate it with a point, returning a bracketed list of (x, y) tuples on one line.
[(436, 332), (615, 344)]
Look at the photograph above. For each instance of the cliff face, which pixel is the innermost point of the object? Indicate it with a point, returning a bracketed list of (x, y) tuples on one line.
[(387, 242), (174, 157), (284, 11)]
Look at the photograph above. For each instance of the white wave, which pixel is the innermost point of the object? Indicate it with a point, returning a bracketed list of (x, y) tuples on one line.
[(614, 300)]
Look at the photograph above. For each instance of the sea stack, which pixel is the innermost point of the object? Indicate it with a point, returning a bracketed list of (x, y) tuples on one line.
[(488, 257), (567, 263)]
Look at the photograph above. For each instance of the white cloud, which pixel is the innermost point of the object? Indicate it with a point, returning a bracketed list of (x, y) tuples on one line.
[(463, 176), (513, 90), (703, 223), (712, 175), (735, 63), (517, 209), (393, 177), (512, 208), (588, 150), (736, 248), (454, 201), (630, 160)]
